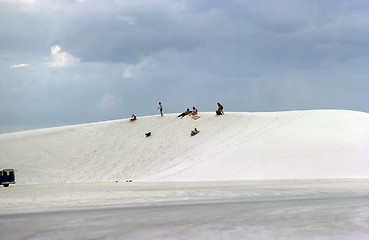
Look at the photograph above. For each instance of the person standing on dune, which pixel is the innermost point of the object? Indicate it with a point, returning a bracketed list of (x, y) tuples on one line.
[(161, 109)]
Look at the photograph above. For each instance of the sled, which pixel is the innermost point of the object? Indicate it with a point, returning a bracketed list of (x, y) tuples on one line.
[(218, 112), (195, 117)]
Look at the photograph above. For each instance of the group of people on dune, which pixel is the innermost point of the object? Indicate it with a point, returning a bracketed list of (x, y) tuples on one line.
[(194, 112)]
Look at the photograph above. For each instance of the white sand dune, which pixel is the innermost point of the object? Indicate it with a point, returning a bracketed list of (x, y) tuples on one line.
[(332, 146), (319, 144)]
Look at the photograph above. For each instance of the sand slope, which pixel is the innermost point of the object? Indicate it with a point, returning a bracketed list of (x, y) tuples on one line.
[(235, 146)]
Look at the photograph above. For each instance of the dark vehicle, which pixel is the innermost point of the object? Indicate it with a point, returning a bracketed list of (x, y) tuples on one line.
[(7, 176)]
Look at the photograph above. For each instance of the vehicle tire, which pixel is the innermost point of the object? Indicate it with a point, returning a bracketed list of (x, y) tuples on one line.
[(6, 185)]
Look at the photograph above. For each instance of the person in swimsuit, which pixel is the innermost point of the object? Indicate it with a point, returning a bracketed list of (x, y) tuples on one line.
[(194, 111), (161, 109), (220, 109)]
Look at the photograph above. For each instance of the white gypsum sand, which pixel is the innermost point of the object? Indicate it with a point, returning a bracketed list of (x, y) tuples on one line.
[(285, 175), (236, 146), (282, 209)]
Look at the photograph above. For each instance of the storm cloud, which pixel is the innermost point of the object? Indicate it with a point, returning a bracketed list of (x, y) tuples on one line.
[(69, 62)]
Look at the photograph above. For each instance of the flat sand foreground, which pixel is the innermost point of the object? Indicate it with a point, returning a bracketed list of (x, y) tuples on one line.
[(41, 197)]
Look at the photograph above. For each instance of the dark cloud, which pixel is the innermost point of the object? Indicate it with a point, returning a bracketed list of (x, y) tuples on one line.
[(111, 59)]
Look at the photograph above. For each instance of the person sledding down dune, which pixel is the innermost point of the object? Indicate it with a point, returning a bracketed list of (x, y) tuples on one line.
[(188, 112), (194, 132), (220, 109)]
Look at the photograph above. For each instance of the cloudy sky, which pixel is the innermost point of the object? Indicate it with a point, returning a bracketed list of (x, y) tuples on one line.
[(69, 62)]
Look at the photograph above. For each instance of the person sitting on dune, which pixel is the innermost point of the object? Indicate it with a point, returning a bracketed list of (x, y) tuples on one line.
[(220, 109), (194, 111), (133, 117)]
